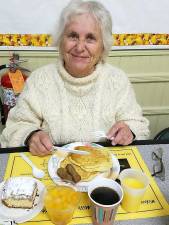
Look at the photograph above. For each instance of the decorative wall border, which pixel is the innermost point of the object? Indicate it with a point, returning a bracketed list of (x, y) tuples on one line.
[(38, 40), (45, 40), (140, 39)]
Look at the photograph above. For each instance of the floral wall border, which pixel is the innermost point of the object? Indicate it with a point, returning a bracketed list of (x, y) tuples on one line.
[(45, 40)]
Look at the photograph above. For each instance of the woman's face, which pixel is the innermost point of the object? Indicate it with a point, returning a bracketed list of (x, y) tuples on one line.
[(82, 45)]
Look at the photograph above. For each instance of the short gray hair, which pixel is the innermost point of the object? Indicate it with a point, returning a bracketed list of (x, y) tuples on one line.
[(94, 8)]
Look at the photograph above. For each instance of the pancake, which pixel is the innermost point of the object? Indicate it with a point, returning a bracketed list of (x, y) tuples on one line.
[(85, 176), (99, 160)]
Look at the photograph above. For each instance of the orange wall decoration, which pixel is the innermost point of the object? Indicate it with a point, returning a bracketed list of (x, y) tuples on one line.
[(45, 40), (37, 40)]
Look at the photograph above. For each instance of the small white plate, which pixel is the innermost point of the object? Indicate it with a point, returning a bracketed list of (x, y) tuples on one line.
[(54, 162), (22, 215)]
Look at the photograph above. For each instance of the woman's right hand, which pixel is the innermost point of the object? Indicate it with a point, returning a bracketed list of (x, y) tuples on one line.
[(40, 144)]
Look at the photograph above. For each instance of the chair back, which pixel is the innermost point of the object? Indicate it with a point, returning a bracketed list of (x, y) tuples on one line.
[(163, 135)]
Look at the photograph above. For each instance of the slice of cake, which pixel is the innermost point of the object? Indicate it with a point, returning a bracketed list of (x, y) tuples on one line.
[(19, 192)]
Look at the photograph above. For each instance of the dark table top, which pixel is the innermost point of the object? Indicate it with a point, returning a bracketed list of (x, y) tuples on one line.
[(105, 144)]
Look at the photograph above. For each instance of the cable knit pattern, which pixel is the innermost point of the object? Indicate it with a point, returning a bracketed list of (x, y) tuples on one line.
[(69, 108)]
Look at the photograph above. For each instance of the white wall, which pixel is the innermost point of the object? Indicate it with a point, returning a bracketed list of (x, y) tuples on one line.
[(40, 16)]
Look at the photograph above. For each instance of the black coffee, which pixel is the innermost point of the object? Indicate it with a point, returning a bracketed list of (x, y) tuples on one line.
[(105, 196)]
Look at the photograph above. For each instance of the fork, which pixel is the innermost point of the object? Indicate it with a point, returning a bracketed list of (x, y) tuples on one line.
[(99, 134)]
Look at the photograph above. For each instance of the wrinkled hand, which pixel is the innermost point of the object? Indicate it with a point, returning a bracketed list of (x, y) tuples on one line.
[(40, 144), (120, 133)]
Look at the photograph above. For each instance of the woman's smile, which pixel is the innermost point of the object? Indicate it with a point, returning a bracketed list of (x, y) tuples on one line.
[(80, 58)]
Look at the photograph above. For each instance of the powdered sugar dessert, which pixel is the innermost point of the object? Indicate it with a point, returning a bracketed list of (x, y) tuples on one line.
[(19, 192)]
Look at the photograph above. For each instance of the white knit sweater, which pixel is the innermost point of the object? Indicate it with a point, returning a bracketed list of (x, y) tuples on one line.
[(69, 108)]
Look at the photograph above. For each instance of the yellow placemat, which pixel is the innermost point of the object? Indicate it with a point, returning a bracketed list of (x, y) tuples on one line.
[(152, 205)]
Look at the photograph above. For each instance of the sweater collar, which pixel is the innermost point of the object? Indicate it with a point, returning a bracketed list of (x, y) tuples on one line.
[(78, 86)]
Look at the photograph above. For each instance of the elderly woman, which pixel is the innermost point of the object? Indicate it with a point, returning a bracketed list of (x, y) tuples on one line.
[(68, 101)]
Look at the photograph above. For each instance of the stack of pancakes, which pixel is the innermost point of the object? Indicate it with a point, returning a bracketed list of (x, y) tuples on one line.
[(91, 165)]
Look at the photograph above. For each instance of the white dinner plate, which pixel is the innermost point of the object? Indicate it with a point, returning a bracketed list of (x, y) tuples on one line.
[(22, 215), (54, 162)]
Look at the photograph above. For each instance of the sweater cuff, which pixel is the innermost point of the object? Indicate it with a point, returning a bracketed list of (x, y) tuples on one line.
[(134, 136), (29, 136)]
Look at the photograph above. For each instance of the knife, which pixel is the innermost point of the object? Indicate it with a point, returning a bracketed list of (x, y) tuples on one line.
[(68, 150)]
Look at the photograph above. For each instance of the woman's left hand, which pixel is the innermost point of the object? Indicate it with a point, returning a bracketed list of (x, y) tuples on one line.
[(120, 133)]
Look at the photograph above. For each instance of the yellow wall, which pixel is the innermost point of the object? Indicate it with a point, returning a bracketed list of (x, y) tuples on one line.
[(148, 71)]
